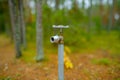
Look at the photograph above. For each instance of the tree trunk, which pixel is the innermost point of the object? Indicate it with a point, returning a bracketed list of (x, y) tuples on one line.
[(57, 4), (110, 25), (90, 17), (11, 18), (83, 4), (15, 27), (40, 54), (75, 3), (22, 24), (45, 2), (101, 14)]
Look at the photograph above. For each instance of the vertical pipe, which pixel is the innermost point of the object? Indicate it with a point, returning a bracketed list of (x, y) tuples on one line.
[(60, 62)]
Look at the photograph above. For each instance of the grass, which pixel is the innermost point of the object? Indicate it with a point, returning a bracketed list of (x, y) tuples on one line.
[(117, 79), (29, 54), (6, 78), (103, 41), (102, 61), (80, 41)]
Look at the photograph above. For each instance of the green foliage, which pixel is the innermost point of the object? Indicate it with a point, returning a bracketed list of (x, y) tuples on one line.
[(118, 5), (76, 36), (97, 21), (76, 16), (4, 15)]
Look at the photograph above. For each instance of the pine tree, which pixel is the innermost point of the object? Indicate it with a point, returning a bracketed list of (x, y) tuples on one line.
[(15, 26)]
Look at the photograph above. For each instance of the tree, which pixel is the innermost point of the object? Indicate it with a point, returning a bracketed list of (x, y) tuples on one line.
[(83, 4), (118, 11), (4, 19), (45, 2), (75, 3), (90, 16), (21, 23), (101, 13), (40, 54), (27, 11), (57, 4), (15, 27), (111, 16)]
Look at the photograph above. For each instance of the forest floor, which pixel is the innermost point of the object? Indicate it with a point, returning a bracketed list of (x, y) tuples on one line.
[(99, 65)]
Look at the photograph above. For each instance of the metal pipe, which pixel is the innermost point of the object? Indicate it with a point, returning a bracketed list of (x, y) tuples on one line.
[(59, 40), (60, 61)]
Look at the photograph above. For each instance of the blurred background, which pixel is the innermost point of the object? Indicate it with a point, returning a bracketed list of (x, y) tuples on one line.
[(93, 23), (94, 27)]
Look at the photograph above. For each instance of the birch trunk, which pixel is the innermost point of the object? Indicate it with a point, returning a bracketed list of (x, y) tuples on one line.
[(39, 36)]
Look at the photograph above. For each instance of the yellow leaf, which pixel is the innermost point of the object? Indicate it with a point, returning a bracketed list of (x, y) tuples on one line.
[(68, 64), (67, 50)]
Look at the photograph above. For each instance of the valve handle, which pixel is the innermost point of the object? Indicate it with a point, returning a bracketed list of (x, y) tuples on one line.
[(60, 26)]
